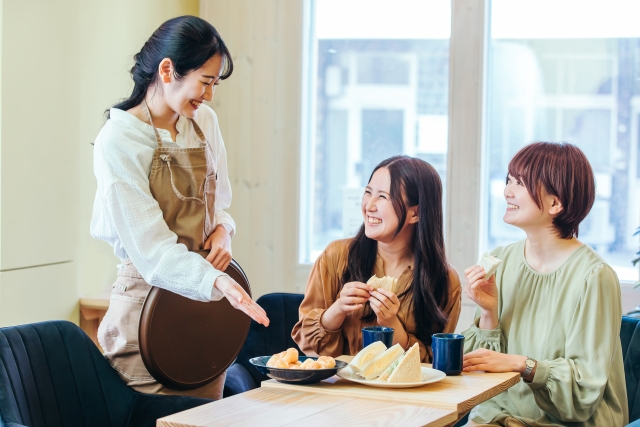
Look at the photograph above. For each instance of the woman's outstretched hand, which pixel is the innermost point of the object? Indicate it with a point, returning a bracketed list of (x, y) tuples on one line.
[(240, 300), (219, 245)]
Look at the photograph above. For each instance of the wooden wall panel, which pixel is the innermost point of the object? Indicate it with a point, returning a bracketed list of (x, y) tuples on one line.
[(259, 112)]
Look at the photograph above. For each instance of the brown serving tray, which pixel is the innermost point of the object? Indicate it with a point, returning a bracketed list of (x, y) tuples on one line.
[(186, 344)]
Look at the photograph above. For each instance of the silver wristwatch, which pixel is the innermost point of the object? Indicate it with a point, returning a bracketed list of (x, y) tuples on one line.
[(529, 365)]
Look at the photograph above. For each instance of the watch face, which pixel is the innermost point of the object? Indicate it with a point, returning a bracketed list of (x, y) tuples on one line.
[(530, 363)]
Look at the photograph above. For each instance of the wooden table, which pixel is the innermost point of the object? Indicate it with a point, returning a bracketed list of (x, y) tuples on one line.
[(270, 407), (336, 401)]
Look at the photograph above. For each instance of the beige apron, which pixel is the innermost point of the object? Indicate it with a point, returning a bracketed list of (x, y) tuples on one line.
[(183, 182)]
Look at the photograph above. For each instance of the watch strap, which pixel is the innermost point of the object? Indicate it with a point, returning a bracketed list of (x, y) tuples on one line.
[(528, 367)]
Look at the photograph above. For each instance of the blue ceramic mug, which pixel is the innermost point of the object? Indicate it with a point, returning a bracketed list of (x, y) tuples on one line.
[(447, 352), (372, 334)]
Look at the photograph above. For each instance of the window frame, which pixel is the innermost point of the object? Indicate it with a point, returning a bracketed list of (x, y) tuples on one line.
[(464, 199)]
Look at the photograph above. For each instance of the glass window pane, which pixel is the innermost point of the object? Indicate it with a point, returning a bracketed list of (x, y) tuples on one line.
[(551, 81), (377, 87)]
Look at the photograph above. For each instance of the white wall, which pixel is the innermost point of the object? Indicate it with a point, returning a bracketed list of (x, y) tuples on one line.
[(62, 64)]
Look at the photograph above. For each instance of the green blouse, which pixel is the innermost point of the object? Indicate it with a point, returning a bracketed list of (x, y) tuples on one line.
[(569, 321)]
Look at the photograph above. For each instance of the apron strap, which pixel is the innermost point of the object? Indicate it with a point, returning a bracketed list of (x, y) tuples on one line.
[(203, 140), (145, 107), (199, 132)]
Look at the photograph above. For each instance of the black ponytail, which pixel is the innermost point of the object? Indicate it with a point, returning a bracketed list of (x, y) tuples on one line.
[(188, 41)]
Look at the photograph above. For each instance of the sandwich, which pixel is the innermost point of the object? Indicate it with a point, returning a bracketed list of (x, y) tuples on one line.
[(377, 366), (404, 370), (489, 263), (386, 282), (366, 355)]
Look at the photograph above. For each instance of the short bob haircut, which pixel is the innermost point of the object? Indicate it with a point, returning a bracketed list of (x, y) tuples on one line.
[(563, 171)]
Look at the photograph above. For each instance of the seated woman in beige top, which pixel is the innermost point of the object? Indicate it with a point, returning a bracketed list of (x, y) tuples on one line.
[(402, 237)]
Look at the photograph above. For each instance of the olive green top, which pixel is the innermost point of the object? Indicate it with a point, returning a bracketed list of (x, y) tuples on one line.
[(569, 321)]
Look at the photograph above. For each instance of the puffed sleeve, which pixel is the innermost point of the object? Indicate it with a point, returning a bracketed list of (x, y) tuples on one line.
[(570, 388), (308, 333), (475, 338)]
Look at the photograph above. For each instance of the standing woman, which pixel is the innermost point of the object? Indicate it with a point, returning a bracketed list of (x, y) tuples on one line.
[(161, 168)]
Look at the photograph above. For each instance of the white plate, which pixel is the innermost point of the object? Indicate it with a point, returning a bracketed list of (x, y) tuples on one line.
[(428, 376)]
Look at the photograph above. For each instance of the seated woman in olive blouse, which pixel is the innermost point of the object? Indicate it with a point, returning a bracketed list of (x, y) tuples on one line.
[(401, 237), (553, 310)]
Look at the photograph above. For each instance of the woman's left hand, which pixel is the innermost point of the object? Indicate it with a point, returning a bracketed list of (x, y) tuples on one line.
[(385, 305), (219, 243), (492, 361)]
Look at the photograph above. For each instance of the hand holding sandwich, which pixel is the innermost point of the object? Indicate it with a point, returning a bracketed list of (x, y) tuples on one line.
[(483, 292), (385, 305), (352, 298)]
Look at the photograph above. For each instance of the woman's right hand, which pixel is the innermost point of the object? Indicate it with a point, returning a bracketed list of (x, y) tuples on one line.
[(353, 296), (240, 300), (482, 292)]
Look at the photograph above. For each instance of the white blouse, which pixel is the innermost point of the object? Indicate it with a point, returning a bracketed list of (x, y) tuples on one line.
[(126, 215)]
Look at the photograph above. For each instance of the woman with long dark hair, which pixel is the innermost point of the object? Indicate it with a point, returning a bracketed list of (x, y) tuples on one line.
[(402, 237), (161, 168)]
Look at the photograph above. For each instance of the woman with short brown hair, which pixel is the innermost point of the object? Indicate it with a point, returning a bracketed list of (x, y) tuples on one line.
[(552, 310)]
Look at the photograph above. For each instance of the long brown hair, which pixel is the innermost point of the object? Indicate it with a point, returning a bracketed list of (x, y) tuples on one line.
[(420, 184)]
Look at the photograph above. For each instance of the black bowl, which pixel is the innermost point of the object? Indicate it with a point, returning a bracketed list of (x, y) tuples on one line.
[(296, 376)]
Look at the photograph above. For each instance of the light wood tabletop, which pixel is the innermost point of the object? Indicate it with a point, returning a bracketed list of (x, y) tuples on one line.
[(270, 407), (459, 393), (336, 401)]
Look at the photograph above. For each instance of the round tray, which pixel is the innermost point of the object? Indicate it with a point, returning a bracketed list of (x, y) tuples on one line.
[(186, 344)]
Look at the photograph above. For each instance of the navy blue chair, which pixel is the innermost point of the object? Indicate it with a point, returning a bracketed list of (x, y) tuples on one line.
[(282, 310), (630, 340), (52, 374)]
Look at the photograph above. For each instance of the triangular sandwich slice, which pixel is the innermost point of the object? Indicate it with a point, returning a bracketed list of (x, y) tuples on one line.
[(366, 355), (382, 362), (406, 369), (489, 263)]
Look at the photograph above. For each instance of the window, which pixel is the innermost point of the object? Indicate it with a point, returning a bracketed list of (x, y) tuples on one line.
[(561, 71), (377, 86)]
